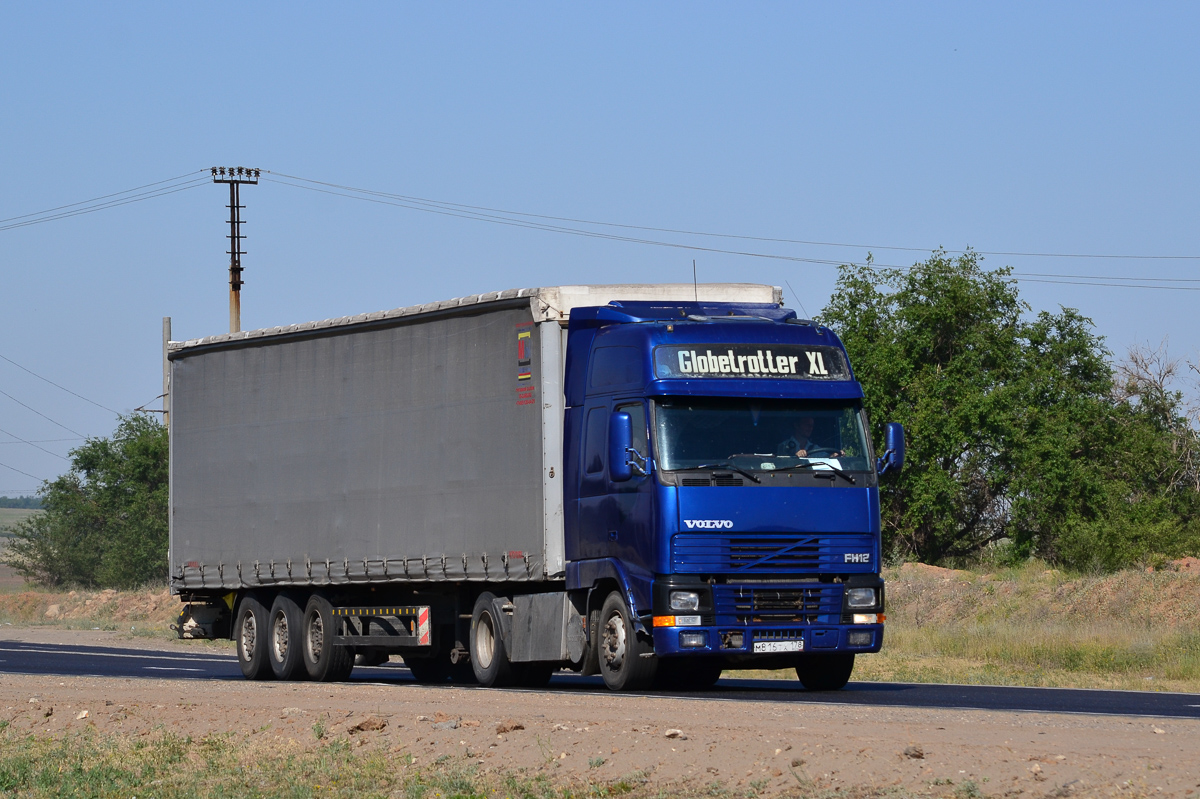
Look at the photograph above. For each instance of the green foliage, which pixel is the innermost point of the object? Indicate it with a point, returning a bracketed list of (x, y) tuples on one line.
[(26, 503), (105, 521), (1019, 429)]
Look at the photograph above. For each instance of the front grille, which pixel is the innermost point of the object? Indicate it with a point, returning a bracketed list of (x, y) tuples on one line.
[(775, 635), (703, 553), (819, 603)]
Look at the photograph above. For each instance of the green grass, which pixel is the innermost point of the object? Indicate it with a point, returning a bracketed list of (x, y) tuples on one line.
[(10, 516), (94, 765)]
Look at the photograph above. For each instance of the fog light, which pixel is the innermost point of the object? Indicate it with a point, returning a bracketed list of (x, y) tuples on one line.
[(859, 638), (692, 640), (685, 600), (866, 618), (860, 597)]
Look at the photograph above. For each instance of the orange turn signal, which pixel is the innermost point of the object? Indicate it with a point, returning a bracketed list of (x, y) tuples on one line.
[(664, 621)]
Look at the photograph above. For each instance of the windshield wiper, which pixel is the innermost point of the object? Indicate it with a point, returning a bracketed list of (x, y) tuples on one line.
[(817, 466), (730, 467)]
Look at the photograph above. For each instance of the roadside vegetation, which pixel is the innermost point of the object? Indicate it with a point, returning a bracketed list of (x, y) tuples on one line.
[(1025, 625)]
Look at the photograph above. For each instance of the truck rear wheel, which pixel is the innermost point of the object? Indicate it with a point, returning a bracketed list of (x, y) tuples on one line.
[(250, 635), (323, 660), (825, 672), (285, 644), (622, 664), (489, 660)]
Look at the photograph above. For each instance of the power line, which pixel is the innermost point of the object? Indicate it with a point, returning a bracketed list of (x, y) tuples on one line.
[(102, 206), (464, 212), (18, 471), (42, 441), (30, 443), (102, 197), (447, 204), (56, 385), (44, 416)]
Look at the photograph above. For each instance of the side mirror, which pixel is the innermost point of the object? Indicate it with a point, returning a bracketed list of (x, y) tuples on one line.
[(620, 439), (893, 454)]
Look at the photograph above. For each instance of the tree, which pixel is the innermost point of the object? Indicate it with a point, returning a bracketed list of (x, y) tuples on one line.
[(1016, 430), (105, 521)]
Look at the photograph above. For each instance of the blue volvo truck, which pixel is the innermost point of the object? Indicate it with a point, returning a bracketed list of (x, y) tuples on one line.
[(654, 483)]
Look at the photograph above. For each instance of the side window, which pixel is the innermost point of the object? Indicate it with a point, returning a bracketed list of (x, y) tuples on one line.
[(637, 415), (593, 450)]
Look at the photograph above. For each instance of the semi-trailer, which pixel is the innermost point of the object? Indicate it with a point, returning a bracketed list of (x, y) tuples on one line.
[(650, 482)]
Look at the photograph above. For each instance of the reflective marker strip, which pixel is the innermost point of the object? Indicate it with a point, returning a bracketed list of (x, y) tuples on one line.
[(423, 626)]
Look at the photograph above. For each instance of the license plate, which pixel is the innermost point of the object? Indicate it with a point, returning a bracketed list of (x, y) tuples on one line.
[(779, 646)]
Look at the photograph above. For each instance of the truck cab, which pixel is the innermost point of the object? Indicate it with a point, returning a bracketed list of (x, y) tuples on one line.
[(721, 502)]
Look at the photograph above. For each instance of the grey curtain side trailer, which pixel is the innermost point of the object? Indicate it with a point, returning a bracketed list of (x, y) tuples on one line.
[(422, 444)]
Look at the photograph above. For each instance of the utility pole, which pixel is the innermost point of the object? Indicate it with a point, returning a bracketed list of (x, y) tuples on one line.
[(235, 177)]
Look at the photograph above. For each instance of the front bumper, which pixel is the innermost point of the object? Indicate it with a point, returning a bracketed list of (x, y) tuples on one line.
[(766, 618), (772, 641)]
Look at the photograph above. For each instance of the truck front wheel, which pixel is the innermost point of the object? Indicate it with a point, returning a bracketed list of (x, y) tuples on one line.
[(825, 672), (323, 660), (250, 634), (489, 659), (622, 664), (285, 642)]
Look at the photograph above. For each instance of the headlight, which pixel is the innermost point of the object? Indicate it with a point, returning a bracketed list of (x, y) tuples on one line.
[(685, 600), (860, 597)]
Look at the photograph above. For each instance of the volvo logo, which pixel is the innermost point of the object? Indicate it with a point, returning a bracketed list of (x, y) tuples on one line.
[(709, 524)]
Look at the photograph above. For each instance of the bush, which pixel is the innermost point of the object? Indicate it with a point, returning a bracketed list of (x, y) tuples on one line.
[(105, 521)]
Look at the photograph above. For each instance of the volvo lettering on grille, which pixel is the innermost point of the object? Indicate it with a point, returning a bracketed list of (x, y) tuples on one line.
[(709, 524)]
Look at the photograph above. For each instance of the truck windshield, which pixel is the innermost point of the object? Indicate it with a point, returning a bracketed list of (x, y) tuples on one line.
[(759, 434)]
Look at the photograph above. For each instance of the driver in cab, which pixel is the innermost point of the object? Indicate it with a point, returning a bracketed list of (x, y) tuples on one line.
[(801, 444)]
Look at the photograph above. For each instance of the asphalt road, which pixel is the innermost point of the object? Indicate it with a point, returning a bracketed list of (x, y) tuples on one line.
[(100, 661)]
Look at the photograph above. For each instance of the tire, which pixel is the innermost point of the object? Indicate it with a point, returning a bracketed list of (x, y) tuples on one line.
[(285, 639), (621, 651), (825, 672), (489, 660), (250, 635), (533, 675), (686, 674), (323, 660)]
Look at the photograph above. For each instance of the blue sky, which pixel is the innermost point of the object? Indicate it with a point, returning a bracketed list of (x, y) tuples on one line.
[(1006, 127)]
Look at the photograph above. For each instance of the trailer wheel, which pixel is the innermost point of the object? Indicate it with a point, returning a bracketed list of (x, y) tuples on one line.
[(323, 660), (285, 640), (250, 634), (621, 652), (489, 660), (825, 672)]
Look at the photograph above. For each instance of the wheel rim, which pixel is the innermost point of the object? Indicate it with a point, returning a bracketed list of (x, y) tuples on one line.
[(315, 640), (614, 642), (249, 634), (279, 636), (485, 641)]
